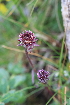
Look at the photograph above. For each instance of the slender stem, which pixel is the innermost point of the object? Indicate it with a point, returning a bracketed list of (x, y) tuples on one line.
[(65, 96), (51, 99), (29, 59), (31, 65), (32, 73)]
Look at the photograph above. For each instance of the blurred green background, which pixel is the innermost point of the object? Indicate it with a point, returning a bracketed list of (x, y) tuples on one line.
[(43, 17)]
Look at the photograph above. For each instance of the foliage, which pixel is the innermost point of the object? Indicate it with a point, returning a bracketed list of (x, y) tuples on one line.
[(43, 17)]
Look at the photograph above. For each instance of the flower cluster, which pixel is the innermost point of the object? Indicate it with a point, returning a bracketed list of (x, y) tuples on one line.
[(43, 75), (28, 40)]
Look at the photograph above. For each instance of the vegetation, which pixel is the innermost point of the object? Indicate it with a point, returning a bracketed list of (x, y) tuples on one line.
[(44, 19)]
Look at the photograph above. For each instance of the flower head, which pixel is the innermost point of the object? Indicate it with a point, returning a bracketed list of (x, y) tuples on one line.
[(28, 40), (43, 75)]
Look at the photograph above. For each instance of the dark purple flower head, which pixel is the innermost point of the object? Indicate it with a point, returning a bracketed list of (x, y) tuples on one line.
[(28, 40), (43, 75)]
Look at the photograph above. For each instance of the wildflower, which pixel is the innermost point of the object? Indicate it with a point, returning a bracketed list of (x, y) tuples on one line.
[(43, 75), (27, 40)]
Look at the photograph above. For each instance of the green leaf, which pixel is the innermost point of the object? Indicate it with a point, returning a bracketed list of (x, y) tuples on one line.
[(12, 96), (4, 73), (68, 101), (3, 85), (16, 81), (6, 97), (3, 80), (15, 69), (1, 103)]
